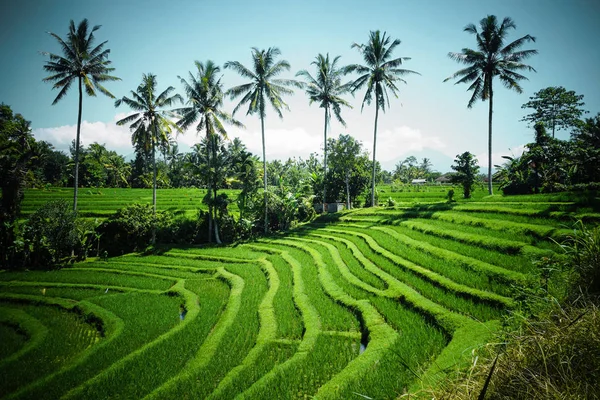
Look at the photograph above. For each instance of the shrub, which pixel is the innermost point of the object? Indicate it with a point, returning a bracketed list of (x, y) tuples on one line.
[(391, 202), (53, 235), (130, 229), (583, 248), (555, 357)]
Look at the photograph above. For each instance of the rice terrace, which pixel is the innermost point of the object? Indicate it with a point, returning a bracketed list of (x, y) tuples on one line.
[(283, 200), (377, 302)]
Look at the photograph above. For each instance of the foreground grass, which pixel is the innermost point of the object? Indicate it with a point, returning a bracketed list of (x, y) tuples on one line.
[(376, 303)]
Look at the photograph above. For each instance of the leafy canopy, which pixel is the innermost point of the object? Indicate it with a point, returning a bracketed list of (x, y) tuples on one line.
[(466, 169), (326, 87), (556, 107), (80, 60), (151, 124), (205, 101), (263, 87), (492, 58), (380, 72)]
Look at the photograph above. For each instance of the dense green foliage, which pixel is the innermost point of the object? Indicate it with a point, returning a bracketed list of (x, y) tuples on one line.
[(555, 107), (550, 164), (467, 170)]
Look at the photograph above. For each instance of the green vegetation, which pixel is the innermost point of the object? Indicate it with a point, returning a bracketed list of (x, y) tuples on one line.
[(380, 302), (372, 302)]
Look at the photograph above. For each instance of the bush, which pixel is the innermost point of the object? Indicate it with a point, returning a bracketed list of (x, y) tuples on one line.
[(130, 229), (53, 236), (583, 249), (554, 357)]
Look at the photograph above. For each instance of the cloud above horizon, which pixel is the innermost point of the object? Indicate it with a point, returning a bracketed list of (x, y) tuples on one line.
[(281, 143)]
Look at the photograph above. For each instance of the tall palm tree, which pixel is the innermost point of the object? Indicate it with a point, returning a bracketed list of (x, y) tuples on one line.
[(81, 62), (205, 102), (151, 124), (380, 73), (492, 58), (262, 89), (326, 90)]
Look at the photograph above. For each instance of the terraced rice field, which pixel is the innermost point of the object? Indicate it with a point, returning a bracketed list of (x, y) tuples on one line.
[(101, 202), (377, 303)]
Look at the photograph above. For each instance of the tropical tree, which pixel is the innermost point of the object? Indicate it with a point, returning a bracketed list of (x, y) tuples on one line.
[(85, 63), (380, 73), (205, 101), (151, 124), (264, 88), (466, 168), (326, 89), (492, 58), (556, 107), (348, 171)]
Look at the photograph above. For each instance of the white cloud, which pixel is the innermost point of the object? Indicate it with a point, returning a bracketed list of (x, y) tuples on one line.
[(402, 140), (114, 137), (280, 143)]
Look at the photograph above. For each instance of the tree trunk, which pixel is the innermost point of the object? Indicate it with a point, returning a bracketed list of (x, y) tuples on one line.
[(209, 186), (325, 162), (213, 142), (215, 219), (262, 127), (490, 189), (347, 190), (374, 148), (154, 181), (76, 174)]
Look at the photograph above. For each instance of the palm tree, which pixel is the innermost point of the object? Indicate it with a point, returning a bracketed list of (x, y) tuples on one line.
[(379, 74), (262, 89), (205, 100), (151, 125), (326, 90), (81, 62), (492, 58)]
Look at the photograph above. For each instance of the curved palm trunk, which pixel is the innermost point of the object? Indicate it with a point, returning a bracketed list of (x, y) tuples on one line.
[(154, 184), (325, 162), (374, 148), (76, 174), (262, 127), (490, 190)]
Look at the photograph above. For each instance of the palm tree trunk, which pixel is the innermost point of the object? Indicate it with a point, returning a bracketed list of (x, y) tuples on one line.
[(76, 174), (374, 148), (213, 146), (215, 219), (209, 186), (490, 190), (154, 184), (325, 162), (262, 127)]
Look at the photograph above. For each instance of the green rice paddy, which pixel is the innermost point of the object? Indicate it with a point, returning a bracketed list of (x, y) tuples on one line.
[(378, 303)]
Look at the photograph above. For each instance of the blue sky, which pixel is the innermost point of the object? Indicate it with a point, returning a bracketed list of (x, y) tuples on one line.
[(429, 119)]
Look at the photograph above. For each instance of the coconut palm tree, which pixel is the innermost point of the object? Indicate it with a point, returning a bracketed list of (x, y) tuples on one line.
[(83, 63), (205, 101), (380, 73), (492, 58), (326, 90), (262, 89), (151, 125)]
